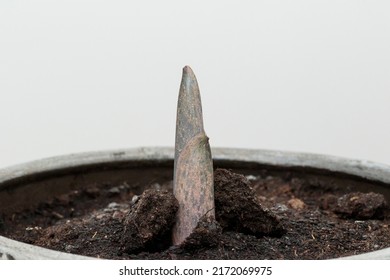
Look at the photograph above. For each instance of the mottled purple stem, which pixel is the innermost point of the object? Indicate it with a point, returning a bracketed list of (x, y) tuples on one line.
[(193, 183)]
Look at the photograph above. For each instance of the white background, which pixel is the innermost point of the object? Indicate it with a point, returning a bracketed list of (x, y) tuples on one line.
[(85, 75)]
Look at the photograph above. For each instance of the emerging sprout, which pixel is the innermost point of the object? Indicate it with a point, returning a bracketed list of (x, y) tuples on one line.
[(193, 183)]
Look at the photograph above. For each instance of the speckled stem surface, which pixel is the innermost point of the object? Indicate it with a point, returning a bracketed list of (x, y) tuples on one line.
[(193, 183)]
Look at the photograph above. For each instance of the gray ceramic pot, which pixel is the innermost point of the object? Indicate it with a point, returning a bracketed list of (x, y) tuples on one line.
[(27, 184)]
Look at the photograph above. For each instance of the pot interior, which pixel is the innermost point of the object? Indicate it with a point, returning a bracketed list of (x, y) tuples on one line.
[(27, 191)]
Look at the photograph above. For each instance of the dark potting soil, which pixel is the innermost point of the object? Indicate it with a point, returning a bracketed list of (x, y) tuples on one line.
[(257, 217)]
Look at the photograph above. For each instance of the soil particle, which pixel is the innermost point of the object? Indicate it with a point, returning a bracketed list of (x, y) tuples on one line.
[(92, 192), (328, 201), (362, 206), (238, 209), (296, 203), (114, 191), (150, 218)]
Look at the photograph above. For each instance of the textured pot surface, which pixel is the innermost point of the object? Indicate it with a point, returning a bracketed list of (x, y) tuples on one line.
[(25, 185)]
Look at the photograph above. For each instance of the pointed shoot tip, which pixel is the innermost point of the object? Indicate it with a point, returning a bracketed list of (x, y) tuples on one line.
[(187, 70)]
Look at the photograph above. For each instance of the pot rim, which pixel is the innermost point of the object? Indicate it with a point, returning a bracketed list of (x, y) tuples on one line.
[(360, 168)]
